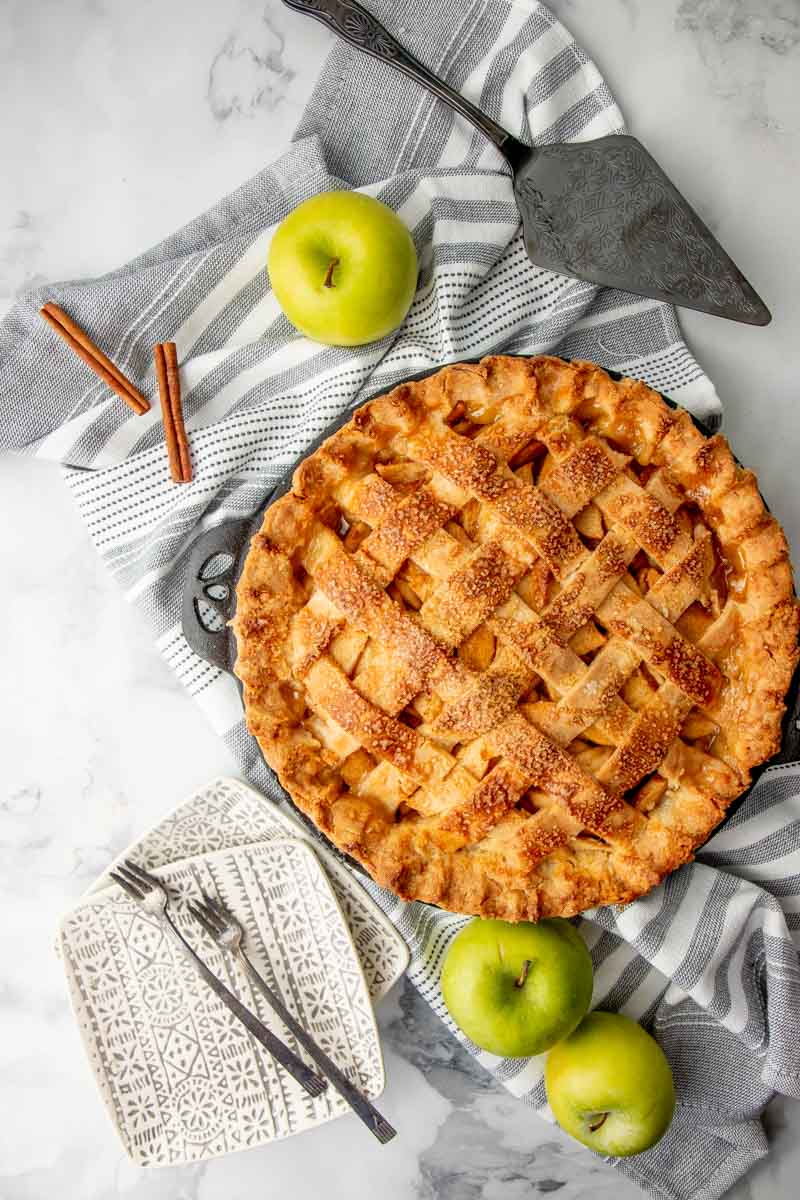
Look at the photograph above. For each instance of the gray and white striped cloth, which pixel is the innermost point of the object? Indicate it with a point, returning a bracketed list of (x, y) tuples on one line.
[(707, 960)]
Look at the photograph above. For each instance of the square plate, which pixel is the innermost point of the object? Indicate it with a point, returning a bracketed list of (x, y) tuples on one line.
[(227, 813), (180, 1076)]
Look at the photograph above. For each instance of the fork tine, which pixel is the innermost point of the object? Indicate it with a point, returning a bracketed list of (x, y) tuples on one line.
[(127, 886), (139, 873), (216, 923), (126, 873), (198, 915), (216, 907)]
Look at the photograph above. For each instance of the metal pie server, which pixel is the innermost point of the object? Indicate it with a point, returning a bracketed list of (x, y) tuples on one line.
[(601, 210)]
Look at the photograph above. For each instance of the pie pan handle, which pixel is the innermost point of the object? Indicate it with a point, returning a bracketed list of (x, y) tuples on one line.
[(790, 748), (211, 591)]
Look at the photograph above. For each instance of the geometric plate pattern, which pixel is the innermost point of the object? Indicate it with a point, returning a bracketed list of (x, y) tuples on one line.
[(181, 1078), (227, 813)]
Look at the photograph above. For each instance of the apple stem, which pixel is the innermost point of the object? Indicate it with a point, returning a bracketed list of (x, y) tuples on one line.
[(328, 280), (523, 975), (597, 1124)]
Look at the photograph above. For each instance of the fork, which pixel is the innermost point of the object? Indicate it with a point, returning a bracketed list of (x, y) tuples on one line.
[(221, 925), (152, 895)]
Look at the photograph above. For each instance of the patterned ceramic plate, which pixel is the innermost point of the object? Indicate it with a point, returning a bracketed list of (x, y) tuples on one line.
[(180, 1076), (227, 813)]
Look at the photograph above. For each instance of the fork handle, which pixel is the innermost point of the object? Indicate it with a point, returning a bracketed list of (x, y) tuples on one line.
[(374, 1121), (355, 25), (279, 1051)]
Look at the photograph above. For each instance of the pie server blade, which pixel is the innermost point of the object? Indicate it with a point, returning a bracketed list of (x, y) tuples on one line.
[(601, 210), (605, 211)]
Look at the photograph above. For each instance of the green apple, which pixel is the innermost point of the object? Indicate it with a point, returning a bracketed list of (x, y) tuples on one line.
[(610, 1086), (517, 989), (343, 268)]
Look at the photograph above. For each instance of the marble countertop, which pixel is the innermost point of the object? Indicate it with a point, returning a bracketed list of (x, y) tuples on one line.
[(120, 123)]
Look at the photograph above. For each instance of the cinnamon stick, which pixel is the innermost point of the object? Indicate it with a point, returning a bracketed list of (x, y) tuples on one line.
[(169, 391), (174, 382), (82, 345)]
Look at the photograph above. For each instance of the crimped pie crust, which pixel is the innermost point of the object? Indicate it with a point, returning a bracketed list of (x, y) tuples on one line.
[(517, 636)]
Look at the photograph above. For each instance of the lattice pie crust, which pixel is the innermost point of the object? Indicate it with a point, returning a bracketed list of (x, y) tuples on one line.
[(517, 636)]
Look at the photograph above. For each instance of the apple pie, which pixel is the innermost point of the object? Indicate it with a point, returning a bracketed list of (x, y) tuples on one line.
[(517, 636)]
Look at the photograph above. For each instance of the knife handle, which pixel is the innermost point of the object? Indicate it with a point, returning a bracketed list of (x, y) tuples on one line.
[(355, 25)]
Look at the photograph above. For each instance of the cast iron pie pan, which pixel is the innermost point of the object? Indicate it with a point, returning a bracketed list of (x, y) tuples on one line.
[(216, 590)]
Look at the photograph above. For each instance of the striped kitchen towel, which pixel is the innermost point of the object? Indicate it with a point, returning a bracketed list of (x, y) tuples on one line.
[(707, 960)]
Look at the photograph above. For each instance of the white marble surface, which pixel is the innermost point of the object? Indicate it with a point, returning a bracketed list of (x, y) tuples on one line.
[(121, 121)]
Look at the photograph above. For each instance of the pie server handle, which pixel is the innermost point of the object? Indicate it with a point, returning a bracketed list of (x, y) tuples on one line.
[(355, 25), (209, 594)]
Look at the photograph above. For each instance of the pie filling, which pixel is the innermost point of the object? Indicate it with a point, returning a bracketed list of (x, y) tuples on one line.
[(517, 637)]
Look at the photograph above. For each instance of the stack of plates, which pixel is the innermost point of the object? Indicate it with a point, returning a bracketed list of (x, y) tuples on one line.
[(180, 1077)]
